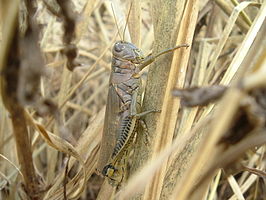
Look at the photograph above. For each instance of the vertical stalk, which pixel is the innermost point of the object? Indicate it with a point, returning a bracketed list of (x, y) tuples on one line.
[(10, 66), (166, 21)]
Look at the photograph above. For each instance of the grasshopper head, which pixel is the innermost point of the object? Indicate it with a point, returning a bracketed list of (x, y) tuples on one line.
[(127, 51)]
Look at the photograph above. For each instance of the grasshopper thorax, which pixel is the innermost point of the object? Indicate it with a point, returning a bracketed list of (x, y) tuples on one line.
[(128, 52)]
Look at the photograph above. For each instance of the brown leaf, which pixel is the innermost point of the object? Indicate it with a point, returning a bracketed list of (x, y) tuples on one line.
[(199, 96)]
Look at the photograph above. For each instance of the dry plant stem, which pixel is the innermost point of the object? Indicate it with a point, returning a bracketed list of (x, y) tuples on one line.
[(172, 105), (82, 26), (107, 191), (236, 65), (224, 113), (258, 55), (254, 159), (135, 22), (74, 187), (255, 171), (166, 21), (243, 13), (224, 39), (24, 151), (166, 125), (9, 82), (256, 79), (9, 12), (215, 185), (227, 8), (235, 187), (3, 157)]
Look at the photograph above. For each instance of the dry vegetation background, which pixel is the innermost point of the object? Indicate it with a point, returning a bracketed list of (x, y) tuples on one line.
[(53, 102)]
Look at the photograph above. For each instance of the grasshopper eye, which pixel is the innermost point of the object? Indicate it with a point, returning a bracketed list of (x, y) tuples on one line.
[(118, 47)]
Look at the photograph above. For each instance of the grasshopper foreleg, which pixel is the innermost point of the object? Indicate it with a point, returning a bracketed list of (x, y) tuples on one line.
[(151, 58)]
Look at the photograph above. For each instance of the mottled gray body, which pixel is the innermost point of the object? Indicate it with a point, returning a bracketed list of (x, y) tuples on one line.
[(124, 102), (123, 108)]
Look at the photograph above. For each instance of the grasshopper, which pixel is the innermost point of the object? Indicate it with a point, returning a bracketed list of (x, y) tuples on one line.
[(123, 109)]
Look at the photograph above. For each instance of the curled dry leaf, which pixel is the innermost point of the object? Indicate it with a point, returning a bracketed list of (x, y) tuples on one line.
[(62, 146), (197, 96), (251, 114)]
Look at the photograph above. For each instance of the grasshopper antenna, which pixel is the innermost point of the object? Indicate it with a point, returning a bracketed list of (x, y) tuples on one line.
[(127, 21), (116, 22)]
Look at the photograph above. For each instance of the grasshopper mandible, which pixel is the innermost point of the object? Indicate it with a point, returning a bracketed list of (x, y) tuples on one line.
[(123, 109)]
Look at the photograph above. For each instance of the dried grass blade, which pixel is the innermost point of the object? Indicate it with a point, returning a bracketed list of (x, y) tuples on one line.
[(225, 112), (87, 146), (222, 42), (62, 146), (166, 126), (134, 23)]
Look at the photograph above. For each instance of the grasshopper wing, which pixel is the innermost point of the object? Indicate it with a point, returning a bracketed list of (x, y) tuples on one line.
[(111, 125)]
